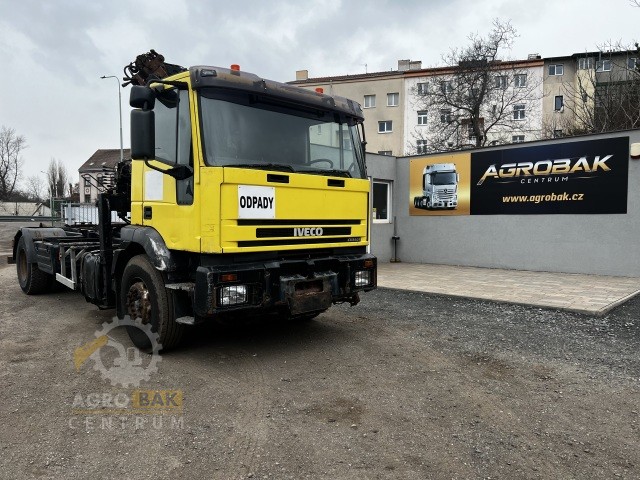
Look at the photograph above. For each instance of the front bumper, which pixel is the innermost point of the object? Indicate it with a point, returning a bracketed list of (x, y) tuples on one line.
[(445, 203), (297, 286)]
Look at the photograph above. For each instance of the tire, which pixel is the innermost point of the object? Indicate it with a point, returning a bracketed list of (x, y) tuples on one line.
[(32, 280), (145, 299), (428, 205)]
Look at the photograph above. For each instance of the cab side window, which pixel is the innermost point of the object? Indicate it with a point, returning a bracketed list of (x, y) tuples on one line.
[(173, 137)]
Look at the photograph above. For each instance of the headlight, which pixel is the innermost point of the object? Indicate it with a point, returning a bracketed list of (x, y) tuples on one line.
[(363, 278), (233, 295)]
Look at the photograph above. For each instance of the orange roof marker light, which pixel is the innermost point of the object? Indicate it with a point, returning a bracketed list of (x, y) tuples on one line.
[(235, 67), (320, 90)]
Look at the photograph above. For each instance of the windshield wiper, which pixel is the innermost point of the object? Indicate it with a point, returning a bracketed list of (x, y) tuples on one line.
[(264, 166), (330, 171)]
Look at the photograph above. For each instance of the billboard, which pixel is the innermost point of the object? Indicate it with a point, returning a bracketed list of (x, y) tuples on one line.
[(568, 178)]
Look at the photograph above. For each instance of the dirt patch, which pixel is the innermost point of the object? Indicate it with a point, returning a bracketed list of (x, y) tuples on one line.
[(405, 385)]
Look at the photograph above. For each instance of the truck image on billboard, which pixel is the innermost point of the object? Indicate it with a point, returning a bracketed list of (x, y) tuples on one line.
[(439, 187)]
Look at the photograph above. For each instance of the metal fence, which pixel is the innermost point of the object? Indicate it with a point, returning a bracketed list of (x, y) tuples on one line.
[(82, 214), (58, 212)]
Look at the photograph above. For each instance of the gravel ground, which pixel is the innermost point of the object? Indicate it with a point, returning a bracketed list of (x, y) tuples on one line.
[(405, 385)]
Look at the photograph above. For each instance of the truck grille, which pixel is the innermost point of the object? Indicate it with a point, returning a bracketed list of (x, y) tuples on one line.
[(301, 232), (297, 241), (305, 222), (446, 195), (283, 232)]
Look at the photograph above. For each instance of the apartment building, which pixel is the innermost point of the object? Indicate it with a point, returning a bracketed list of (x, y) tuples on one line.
[(382, 97), (468, 106), (591, 92), (398, 122)]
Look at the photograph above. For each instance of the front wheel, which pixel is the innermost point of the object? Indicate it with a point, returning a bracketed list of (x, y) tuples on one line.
[(145, 299), (32, 280)]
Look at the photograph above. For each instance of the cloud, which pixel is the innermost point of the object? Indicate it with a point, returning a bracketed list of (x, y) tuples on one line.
[(53, 53)]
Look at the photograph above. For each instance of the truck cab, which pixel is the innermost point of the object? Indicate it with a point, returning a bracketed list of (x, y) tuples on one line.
[(439, 187)]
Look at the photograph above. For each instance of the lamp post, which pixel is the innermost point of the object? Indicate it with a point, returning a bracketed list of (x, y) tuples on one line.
[(119, 110)]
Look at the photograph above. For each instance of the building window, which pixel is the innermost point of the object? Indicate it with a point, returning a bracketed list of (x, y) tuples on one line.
[(470, 132), (558, 103), (585, 63), (421, 147), (422, 89), (385, 126), (99, 180), (557, 133), (501, 81), (520, 80), (369, 101), (518, 112), (445, 115), (603, 66), (631, 63), (422, 117), (381, 201), (557, 69), (393, 99), (446, 86), (517, 138), (385, 152)]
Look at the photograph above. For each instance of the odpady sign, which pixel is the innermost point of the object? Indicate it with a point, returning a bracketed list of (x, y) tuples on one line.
[(256, 202)]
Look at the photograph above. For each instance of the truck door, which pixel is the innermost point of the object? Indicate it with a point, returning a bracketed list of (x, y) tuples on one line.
[(168, 203)]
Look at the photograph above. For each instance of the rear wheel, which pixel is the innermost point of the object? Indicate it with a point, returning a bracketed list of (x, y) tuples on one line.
[(145, 299), (32, 280)]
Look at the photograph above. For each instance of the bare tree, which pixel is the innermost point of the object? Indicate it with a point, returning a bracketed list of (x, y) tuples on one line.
[(605, 95), (11, 145), (57, 178), (479, 99), (35, 188)]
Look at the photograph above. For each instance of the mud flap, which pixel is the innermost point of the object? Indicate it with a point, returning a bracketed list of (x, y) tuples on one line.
[(304, 295)]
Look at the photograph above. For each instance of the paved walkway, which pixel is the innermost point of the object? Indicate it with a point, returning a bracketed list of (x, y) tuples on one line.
[(590, 294)]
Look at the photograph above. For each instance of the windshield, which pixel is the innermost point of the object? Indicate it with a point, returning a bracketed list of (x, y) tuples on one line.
[(444, 178), (239, 130)]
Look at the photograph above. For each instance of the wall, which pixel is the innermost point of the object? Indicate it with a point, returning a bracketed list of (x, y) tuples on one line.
[(380, 167), (592, 244)]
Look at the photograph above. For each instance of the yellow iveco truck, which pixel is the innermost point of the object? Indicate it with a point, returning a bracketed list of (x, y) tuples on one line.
[(244, 196)]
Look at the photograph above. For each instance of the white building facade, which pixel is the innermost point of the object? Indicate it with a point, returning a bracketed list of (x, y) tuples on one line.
[(511, 110)]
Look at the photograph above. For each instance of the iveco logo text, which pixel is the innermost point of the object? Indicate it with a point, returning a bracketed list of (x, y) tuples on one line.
[(547, 167), (256, 202), (307, 232)]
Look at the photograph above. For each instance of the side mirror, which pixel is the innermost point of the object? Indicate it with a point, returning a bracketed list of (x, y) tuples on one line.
[(142, 97), (143, 134), (180, 172)]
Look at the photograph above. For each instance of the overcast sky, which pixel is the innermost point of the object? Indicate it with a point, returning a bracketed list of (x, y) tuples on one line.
[(52, 53)]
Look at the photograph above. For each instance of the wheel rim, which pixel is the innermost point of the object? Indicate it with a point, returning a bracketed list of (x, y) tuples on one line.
[(139, 302)]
